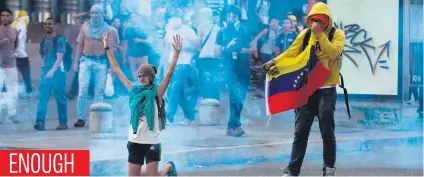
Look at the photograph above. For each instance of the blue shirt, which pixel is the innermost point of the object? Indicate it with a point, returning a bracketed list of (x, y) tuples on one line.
[(284, 41), (50, 51)]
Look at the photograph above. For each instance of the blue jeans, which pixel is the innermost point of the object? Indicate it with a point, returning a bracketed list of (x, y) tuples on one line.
[(209, 70), (237, 76), (183, 90), (58, 84), (88, 68)]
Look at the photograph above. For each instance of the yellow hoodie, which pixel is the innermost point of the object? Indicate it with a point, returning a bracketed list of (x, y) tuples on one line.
[(330, 50)]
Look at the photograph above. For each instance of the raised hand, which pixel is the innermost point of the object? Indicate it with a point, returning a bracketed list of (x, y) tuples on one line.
[(178, 43), (267, 66)]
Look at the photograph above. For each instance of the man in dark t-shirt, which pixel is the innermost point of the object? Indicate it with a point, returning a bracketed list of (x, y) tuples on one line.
[(232, 44)]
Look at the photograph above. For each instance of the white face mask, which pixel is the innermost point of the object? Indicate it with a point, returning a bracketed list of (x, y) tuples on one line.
[(175, 22)]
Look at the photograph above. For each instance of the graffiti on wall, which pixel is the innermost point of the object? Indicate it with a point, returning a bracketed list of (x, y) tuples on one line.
[(359, 42)]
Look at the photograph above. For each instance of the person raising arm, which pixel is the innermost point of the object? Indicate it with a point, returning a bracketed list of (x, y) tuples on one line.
[(147, 116), (128, 84)]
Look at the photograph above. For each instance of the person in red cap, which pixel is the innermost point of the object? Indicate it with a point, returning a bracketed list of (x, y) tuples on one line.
[(329, 43)]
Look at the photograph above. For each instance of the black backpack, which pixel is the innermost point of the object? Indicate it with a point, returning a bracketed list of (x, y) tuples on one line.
[(330, 38), (67, 56), (161, 113)]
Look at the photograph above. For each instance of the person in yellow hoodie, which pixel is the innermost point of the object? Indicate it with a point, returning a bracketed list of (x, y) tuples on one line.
[(322, 102), (22, 61)]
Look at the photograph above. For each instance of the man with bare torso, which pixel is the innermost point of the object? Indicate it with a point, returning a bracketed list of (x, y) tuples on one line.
[(92, 59), (8, 72)]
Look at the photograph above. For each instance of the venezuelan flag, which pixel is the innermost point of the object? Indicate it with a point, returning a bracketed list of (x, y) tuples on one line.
[(291, 81)]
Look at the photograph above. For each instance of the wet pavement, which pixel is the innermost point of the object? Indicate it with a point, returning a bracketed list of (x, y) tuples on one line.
[(185, 144), (394, 161)]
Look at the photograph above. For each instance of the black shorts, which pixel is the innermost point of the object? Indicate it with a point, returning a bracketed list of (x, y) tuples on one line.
[(138, 152)]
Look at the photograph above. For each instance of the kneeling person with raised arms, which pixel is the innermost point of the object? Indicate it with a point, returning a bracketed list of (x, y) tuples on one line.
[(147, 114)]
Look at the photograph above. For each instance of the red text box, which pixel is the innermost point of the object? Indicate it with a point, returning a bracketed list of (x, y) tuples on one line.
[(44, 163)]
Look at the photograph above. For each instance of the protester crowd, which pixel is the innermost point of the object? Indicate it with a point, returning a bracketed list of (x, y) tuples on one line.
[(250, 34), (205, 45)]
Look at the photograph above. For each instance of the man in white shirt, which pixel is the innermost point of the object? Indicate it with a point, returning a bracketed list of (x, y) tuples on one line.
[(183, 84), (209, 63)]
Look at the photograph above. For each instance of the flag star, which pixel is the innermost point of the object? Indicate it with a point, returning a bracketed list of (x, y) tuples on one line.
[(295, 81), (298, 77), (301, 73), (294, 85)]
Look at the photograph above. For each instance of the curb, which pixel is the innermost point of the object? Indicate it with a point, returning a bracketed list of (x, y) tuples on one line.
[(250, 153)]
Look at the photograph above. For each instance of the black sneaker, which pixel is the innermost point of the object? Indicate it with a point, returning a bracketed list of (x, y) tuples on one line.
[(173, 171), (13, 120), (79, 123), (62, 127), (39, 126)]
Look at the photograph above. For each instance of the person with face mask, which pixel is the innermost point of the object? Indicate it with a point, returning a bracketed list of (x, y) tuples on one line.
[(183, 86), (53, 47), (8, 72), (209, 64), (232, 44), (328, 43), (91, 59)]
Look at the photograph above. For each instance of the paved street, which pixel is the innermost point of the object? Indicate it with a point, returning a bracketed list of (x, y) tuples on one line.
[(267, 147), (399, 161)]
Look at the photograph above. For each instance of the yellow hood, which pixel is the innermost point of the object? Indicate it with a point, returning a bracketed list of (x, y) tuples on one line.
[(321, 8), (20, 21)]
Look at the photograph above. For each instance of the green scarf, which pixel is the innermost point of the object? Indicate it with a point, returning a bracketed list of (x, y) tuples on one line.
[(135, 96)]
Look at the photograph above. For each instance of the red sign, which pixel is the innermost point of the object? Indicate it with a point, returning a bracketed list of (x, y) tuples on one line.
[(44, 162)]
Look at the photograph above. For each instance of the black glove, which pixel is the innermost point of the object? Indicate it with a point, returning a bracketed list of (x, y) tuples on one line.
[(267, 66)]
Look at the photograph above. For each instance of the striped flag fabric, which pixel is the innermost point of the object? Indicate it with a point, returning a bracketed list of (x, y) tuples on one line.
[(293, 80)]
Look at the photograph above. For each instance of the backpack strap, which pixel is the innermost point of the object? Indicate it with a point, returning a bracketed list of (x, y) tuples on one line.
[(207, 37), (157, 101), (161, 116), (330, 37), (57, 37), (40, 50), (306, 40), (345, 95), (331, 34)]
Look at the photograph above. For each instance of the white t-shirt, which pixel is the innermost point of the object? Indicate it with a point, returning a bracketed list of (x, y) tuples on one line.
[(208, 50), (189, 40), (20, 51), (144, 135)]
